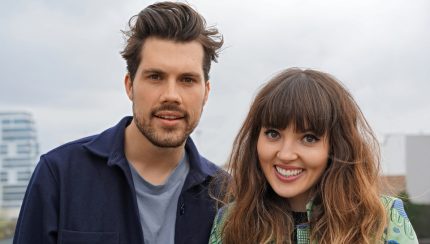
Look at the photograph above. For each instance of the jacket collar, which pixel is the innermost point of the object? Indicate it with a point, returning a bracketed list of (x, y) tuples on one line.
[(110, 144), (200, 167), (309, 207)]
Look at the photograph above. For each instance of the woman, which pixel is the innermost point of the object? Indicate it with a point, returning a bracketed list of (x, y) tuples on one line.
[(305, 169)]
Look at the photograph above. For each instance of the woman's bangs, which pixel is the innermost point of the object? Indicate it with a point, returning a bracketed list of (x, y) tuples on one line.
[(300, 103)]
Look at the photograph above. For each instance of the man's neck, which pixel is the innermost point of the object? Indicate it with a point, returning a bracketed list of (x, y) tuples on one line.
[(153, 163)]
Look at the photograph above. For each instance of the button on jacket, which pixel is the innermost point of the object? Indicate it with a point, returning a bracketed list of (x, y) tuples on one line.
[(83, 192)]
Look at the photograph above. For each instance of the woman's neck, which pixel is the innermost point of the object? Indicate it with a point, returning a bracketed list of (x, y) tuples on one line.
[(298, 203)]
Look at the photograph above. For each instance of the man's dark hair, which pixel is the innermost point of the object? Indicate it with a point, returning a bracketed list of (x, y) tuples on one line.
[(171, 21)]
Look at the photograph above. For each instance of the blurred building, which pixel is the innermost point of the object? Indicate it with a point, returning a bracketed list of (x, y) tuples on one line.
[(18, 155), (406, 165)]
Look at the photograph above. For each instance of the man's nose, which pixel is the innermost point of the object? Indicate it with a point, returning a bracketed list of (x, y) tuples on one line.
[(171, 93)]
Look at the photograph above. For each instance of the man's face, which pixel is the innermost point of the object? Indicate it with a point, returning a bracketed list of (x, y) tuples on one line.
[(168, 91)]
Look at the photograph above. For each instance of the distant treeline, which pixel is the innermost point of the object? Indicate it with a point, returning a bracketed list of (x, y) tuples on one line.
[(419, 215), (7, 228)]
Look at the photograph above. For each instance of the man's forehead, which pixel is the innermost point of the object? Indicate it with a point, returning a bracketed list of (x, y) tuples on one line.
[(166, 55)]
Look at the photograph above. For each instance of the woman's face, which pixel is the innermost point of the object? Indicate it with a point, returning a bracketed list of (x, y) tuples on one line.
[(292, 162)]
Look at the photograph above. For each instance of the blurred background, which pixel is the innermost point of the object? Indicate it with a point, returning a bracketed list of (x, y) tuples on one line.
[(62, 78)]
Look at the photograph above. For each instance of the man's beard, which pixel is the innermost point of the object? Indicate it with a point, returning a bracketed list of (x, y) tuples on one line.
[(166, 138)]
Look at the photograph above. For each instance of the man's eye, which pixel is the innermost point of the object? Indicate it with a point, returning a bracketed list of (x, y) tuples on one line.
[(187, 80), (272, 134), (310, 138), (154, 77)]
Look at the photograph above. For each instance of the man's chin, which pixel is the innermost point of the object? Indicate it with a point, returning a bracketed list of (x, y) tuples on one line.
[(165, 137), (167, 143)]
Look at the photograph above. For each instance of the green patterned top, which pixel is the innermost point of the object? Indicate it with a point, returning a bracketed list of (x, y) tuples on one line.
[(399, 229)]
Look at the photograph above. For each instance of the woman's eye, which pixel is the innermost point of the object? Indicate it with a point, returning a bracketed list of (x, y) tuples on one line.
[(272, 134), (309, 138)]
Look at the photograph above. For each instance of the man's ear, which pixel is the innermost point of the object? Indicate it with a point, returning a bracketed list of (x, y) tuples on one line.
[(128, 83), (207, 90)]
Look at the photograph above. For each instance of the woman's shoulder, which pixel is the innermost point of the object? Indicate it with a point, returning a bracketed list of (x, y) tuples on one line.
[(394, 207), (388, 201), (399, 229), (215, 237), (222, 214)]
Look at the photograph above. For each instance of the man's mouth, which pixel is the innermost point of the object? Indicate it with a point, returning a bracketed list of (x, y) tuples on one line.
[(169, 115)]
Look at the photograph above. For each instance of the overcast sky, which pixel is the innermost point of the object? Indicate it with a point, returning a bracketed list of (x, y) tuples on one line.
[(60, 61)]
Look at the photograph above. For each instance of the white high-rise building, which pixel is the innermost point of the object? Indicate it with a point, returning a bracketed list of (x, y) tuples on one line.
[(19, 153)]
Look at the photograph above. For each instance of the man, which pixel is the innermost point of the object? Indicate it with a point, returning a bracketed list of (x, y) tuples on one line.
[(141, 181)]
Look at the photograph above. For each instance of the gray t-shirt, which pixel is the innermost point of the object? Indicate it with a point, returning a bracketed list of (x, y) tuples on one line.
[(158, 204)]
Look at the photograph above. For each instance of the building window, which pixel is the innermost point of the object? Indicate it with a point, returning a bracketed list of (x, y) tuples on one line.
[(5, 122), (11, 196), (3, 176), (13, 162), (3, 149)]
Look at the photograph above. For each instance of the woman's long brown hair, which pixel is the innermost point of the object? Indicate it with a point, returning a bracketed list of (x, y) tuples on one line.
[(347, 208)]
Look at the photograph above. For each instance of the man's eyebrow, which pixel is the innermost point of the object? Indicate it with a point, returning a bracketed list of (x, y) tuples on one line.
[(191, 74), (152, 70)]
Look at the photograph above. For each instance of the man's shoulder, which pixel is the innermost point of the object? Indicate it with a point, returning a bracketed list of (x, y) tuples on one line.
[(211, 165), (199, 162), (218, 176), (67, 158), (97, 144), (63, 161), (69, 147)]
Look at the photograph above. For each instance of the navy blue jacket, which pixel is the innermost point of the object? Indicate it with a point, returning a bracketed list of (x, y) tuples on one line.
[(83, 192)]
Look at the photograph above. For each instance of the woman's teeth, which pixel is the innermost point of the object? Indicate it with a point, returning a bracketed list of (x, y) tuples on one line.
[(288, 172)]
